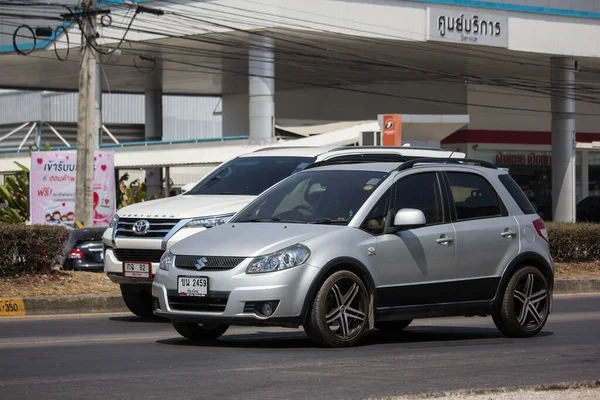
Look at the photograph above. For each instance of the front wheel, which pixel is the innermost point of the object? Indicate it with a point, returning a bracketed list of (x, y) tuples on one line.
[(339, 313), (194, 331), (138, 300), (525, 305)]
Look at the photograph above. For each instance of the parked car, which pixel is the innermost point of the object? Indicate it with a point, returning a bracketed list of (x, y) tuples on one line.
[(342, 248), (588, 209), (83, 250), (139, 234)]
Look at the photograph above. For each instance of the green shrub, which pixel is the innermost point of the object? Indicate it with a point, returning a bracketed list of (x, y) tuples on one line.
[(570, 242), (30, 249)]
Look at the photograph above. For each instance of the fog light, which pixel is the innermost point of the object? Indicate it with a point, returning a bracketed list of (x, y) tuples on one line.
[(264, 308), (267, 309)]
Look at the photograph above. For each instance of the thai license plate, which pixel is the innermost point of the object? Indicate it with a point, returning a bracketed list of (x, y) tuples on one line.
[(135, 269), (192, 286)]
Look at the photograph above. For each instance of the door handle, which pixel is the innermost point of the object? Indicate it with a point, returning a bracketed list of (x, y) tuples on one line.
[(508, 234), (445, 240)]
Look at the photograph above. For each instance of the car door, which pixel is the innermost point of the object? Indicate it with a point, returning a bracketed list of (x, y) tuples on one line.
[(410, 261), (487, 238)]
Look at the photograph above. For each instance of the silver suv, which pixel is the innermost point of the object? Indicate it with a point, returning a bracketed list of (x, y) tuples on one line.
[(340, 248)]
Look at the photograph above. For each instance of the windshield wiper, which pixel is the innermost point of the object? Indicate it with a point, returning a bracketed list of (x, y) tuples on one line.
[(328, 221), (273, 219)]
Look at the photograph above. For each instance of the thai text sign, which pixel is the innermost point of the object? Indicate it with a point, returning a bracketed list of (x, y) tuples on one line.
[(52, 187), (460, 27)]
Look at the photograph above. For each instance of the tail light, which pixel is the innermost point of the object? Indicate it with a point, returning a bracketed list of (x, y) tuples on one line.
[(540, 227), (76, 254)]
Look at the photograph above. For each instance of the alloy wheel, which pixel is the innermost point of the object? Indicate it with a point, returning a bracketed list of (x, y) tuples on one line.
[(531, 301), (345, 310)]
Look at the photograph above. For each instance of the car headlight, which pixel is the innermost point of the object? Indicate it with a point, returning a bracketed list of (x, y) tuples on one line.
[(287, 258), (209, 222), (166, 261), (114, 221)]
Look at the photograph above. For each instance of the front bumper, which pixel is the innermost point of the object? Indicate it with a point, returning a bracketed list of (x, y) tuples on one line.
[(233, 295)]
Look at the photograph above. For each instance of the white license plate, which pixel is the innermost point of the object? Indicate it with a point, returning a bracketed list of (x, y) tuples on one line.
[(134, 269), (192, 286)]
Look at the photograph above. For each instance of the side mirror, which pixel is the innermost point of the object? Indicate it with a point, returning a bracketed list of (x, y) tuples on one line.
[(408, 218)]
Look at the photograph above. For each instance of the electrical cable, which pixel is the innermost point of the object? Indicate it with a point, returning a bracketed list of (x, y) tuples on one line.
[(15, 40), (68, 43), (208, 67)]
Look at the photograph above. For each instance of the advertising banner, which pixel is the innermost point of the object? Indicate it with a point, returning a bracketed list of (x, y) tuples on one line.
[(52, 187)]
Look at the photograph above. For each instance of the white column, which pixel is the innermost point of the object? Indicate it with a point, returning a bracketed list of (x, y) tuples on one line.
[(153, 125), (563, 139), (585, 174), (261, 66)]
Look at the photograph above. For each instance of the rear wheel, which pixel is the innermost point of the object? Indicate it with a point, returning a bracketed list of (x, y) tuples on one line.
[(339, 313), (138, 300), (195, 331), (525, 305)]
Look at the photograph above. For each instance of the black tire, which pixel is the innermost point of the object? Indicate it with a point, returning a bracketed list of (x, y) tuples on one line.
[(326, 301), (138, 300), (392, 326), (524, 309), (194, 331)]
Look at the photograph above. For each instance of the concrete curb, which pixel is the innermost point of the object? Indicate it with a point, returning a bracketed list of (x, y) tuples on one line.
[(566, 286), (89, 304), (74, 304)]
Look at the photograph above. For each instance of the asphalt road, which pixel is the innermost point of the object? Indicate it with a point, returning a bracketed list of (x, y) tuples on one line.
[(122, 357)]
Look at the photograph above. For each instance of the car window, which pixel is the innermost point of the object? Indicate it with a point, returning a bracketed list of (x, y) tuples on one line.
[(420, 191), (331, 196), (249, 175), (474, 196), (517, 194), (374, 222)]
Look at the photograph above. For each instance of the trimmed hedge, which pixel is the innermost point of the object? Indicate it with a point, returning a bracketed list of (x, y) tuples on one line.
[(30, 249), (33, 249), (574, 242)]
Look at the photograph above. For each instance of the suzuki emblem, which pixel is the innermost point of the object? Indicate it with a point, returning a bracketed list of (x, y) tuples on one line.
[(201, 263)]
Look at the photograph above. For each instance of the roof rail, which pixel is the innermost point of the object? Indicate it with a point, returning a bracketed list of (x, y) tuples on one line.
[(409, 148), (444, 160), (282, 147), (360, 158)]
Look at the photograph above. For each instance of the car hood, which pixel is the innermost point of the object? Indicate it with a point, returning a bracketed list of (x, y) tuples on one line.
[(248, 239), (186, 206)]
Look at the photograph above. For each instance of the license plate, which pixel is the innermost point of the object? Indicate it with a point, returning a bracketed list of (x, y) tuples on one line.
[(192, 286), (101, 256), (135, 269)]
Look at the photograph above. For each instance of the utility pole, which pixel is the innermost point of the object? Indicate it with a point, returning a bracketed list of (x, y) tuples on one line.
[(86, 121)]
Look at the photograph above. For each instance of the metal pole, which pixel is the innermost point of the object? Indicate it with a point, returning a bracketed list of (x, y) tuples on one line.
[(84, 213), (563, 139), (98, 105)]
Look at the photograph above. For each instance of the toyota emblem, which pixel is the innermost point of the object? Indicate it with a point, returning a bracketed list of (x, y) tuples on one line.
[(141, 227)]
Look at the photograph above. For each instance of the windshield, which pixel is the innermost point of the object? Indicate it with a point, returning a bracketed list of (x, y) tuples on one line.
[(249, 175), (324, 197)]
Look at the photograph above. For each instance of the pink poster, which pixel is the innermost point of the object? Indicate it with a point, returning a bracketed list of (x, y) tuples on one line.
[(52, 187)]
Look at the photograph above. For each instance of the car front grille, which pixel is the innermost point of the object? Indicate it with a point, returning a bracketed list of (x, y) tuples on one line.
[(158, 228), (210, 263), (216, 302), (138, 255)]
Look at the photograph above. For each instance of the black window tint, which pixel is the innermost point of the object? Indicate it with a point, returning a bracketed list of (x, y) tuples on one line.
[(517, 194), (474, 196), (375, 220), (250, 175), (420, 191)]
